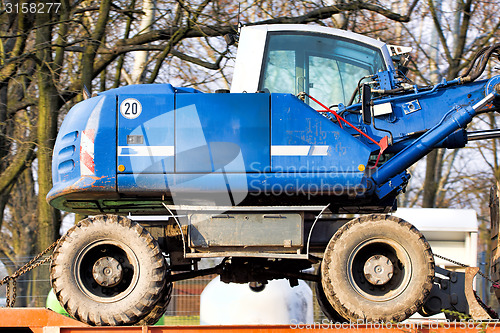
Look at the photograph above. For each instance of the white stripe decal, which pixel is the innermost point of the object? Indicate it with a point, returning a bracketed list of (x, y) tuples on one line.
[(87, 164), (299, 150), (276, 150), (146, 151), (319, 150), (290, 150), (87, 143), (85, 171)]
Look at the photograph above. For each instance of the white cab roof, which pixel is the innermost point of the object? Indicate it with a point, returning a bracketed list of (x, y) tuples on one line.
[(252, 45)]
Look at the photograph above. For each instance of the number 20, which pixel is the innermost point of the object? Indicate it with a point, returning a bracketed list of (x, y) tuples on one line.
[(130, 108)]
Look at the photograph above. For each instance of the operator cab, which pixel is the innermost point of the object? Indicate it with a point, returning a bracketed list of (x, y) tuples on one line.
[(325, 63)]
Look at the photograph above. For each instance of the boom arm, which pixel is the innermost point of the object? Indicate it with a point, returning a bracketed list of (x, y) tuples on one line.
[(453, 120)]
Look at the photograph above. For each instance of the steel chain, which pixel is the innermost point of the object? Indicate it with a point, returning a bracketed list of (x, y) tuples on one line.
[(493, 283), (492, 313), (32, 264)]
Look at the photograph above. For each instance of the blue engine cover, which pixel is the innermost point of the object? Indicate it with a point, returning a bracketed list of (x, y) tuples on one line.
[(133, 147)]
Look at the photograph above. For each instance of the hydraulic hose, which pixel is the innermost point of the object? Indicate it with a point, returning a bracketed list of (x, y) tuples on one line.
[(474, 71)]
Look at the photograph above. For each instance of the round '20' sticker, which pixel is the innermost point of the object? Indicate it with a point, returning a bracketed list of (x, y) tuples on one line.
[(130, 108)]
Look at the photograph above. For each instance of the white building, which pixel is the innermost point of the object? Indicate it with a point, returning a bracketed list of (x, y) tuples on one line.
[(452, 233)]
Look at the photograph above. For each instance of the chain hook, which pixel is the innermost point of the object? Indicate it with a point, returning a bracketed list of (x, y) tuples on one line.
[(32, 264)]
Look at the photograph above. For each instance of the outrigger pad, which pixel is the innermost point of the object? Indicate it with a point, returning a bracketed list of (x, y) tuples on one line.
[(453, 294)]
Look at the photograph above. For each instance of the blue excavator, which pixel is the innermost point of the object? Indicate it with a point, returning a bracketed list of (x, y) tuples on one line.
[(298, 165)]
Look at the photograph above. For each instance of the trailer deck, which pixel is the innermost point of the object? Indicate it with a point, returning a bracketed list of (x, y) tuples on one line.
[(40, 320)]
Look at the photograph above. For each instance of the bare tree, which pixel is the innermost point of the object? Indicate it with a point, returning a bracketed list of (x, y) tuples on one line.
[(46, 59)]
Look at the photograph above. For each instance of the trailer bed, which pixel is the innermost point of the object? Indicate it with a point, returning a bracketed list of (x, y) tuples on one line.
[(40, 320)]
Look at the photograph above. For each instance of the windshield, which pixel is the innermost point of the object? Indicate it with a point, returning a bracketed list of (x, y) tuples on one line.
[(326, 67)]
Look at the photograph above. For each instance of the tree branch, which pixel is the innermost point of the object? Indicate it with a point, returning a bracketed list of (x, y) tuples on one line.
[(199, 62), (220, 30), (437, 26), (21, 161)]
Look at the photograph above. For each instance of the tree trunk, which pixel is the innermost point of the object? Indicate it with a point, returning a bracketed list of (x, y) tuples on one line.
[(93, 44), (141, 57), (430, 182), (48, 107)]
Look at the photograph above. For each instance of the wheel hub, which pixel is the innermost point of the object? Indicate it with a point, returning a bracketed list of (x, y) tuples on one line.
[(378, 270), (107, 272)]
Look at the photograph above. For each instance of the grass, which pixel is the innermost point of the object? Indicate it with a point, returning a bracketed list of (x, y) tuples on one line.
[(181, 320)]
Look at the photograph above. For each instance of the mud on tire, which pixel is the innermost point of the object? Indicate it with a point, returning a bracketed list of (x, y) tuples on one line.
[(108, 270), (377, 268), (325, 305), (160, 307)]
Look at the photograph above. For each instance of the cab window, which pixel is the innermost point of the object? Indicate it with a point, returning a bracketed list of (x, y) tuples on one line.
[(326, 67)]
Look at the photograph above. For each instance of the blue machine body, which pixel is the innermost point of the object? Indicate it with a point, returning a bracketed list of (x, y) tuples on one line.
[(137, 148), (191, 146), (184, 147)]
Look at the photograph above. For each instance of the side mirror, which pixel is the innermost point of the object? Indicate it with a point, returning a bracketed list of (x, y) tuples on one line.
[(366, 97), (230, 39)]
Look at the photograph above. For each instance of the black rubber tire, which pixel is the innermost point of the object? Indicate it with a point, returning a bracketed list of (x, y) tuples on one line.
[(142, 263), (343, 280), (325, 305), (160, 307)]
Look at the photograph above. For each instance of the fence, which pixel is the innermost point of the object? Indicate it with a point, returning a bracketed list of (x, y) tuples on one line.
[(183, 309)]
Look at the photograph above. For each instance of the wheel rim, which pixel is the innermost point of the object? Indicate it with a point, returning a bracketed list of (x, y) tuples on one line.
[(106, 270), (379, 269)]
